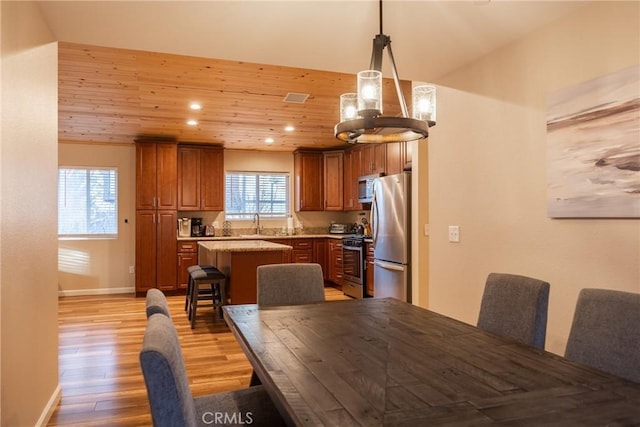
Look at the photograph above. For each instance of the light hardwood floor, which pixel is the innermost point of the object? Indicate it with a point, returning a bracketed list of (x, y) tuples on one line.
[(100, 339)]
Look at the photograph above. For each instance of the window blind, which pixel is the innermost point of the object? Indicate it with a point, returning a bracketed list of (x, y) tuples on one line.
[(248, 192), (87, 201)]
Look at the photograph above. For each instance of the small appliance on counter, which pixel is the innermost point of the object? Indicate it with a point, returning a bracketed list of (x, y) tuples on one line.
[(184, 227), (336, 228), (197, 228), (357, 229)]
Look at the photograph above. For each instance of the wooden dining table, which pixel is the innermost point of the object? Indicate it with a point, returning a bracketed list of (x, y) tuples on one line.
[(375, 362)]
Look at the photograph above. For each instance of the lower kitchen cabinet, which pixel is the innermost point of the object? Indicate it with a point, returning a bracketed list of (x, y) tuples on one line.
[(335, 261), (286, 255), (302, 250), (187, 256), (369, 264), (320, 255), (156, 247)]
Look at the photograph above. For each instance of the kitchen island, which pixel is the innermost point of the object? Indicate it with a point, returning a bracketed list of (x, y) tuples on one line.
[(238, 260)]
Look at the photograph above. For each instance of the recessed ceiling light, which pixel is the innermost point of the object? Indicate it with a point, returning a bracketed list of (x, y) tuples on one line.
[(268, 141), (192, 122), (195, 106), (289, 128)]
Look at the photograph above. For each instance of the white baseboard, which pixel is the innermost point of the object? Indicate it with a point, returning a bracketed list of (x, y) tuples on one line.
[(99, 291), (52, 404)]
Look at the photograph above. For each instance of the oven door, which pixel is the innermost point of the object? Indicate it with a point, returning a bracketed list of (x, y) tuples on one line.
[(352, 264)]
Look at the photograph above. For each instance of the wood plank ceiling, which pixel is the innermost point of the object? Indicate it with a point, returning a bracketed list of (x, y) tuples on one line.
[(115, 96)]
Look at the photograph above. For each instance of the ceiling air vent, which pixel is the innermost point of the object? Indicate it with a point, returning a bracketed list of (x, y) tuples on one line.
[(296, 98)]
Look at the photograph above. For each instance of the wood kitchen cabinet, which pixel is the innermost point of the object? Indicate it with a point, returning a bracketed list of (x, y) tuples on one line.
[(308, 181), (156, 216), (306, 250), (189, 179), (286, 255), (200, 178), (398, 155), (156, 250), (352, 166), (333, 180), (156, 175), (302, 250), (370, 288), (320, 255), (335, 261), (374, 158), (187, 256)]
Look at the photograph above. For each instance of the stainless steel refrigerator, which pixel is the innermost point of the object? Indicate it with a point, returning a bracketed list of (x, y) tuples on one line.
[(391, 233)]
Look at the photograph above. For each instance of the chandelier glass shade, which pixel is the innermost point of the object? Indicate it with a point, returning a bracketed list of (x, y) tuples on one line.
[(361, 115)]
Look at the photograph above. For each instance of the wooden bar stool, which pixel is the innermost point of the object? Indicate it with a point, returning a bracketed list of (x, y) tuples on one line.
[(214, 291), (191, 269)]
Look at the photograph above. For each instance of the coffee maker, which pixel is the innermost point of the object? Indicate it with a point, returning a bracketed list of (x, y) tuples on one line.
[(184, 227), (197, 229)]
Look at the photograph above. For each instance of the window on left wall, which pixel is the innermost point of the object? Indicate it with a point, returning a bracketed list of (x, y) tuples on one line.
[(87, 202)]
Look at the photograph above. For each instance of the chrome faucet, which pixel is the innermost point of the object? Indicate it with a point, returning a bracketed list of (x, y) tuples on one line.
[(256, 219)]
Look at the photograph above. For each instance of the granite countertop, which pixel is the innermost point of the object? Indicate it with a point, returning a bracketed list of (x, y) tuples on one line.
[(243, 246), (262, 236)]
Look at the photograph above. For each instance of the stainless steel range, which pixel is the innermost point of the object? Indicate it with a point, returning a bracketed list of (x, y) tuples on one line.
[(353, 265)]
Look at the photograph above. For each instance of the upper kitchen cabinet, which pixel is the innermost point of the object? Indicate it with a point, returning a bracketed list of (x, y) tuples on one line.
[(156, 175), (374, 159), (200, 178), (333, 180), (398, 156), (308, 181), (352, 162)]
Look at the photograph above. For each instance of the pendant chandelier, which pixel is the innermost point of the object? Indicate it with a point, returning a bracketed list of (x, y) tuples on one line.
[(361, 119)]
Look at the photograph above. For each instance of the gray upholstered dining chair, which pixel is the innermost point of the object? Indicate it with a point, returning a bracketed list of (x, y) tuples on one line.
[(605, 333), (169, 394), (515, 307), (285, 284), (156, 302)]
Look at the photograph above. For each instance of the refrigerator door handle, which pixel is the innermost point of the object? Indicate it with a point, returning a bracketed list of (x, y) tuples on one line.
[(389, 265), (374, 216)]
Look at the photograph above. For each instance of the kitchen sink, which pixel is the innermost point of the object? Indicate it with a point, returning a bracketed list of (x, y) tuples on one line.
[(253, 236)]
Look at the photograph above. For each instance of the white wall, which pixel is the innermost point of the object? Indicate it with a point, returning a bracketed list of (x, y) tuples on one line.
[(487, 171), (101, 265), (28, 217)]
